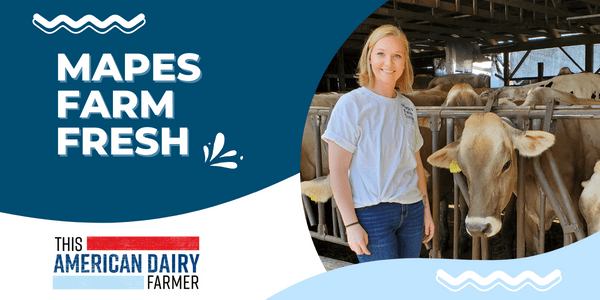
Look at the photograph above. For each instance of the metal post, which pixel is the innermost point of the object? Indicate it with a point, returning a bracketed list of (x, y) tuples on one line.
[(566, 198), (537, 125), (540, 71), (341, 226), (542, 226), (521, 200), (316, 121), (308, 211), (435, 124), (334, 220), (548, 190), (450, 139), (506, 64), (589, 57), (476, 249), (485, 251)]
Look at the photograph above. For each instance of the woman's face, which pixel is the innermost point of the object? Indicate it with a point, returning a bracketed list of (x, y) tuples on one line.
[(387, 60)]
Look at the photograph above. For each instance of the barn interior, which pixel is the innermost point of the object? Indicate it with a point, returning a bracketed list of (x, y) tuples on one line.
[(513, 41), (513, 35)]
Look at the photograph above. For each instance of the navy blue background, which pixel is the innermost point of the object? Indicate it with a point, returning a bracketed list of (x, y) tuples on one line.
[(260, 60)]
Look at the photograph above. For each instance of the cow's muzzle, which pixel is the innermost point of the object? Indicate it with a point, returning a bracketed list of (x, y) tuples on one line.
[(477, 226)]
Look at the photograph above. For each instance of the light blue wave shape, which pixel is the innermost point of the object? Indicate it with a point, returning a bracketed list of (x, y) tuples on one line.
[(80, 25)]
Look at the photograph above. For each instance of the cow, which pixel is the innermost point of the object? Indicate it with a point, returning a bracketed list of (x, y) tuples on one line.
[(431, 97), (589, 202), (581, 85), (463, 94), (421, 81), (307, 150), (564, 71), (475, 80), (486, 156)]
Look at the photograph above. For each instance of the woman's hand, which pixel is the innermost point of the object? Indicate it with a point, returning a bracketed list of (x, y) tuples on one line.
[(429, 227), (358, 239)]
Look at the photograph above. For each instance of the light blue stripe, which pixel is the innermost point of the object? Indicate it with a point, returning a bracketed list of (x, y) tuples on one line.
[(98, 282)]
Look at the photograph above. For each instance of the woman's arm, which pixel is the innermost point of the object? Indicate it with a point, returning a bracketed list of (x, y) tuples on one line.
[(339, 162), (429, 227)]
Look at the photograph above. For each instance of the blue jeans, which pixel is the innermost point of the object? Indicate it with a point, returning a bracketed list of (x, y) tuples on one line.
[(394, 230)]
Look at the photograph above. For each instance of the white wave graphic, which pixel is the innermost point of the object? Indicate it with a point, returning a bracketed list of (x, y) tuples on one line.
[(105, 26), (498, 278)]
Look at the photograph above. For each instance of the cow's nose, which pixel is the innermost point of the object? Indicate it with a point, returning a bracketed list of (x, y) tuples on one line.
[(478, 229)]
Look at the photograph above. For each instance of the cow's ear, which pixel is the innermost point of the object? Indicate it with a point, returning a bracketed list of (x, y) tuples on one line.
[(532, 143), (443, 157)]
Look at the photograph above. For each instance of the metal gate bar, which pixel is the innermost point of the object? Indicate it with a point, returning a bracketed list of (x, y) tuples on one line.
[(537, 125), (435, 124)]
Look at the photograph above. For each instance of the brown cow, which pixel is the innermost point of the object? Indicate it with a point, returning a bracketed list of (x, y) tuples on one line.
[(474, 80), (307, 151), (486, 156)]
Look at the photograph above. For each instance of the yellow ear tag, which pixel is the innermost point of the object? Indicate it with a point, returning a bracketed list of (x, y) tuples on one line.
[(454, 168)]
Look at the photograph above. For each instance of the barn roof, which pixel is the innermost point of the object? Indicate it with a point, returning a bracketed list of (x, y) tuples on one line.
[(496, 25)]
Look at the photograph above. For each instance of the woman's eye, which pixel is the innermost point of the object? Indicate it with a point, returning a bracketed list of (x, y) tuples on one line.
[(380, 53), (506, 166), (398, 56)]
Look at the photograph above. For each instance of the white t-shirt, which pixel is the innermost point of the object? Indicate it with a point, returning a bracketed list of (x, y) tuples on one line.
[(383, 135)]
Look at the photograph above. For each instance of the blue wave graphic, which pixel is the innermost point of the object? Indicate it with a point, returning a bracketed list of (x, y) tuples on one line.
[(88, 21)]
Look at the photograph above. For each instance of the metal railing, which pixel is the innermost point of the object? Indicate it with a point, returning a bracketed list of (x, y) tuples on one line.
[(535, 115)]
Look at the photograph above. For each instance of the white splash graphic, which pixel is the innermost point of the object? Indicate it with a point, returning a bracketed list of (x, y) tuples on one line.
[(217, 147), (88, 21), (498, 278)]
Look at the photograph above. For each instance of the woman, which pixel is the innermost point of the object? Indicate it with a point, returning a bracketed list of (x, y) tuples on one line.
[(376, 172)]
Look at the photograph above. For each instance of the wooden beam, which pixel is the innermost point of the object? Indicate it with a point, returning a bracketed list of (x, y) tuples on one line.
[(467, 10), (534, 7), (459, 23), (464, 32), (543, 44), (448, 6)]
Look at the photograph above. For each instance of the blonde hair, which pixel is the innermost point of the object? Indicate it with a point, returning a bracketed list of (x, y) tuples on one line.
[(365, 74)]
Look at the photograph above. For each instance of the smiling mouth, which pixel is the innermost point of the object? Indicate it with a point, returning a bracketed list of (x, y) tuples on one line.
[(388, 72)]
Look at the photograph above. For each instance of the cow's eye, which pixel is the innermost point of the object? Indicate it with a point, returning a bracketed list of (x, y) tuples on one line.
[(506, 166)]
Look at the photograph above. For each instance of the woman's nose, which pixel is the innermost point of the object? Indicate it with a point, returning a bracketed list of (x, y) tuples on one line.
[(388, 60)]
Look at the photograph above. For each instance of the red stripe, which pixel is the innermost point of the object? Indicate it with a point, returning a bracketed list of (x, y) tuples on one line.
[(143, 243)]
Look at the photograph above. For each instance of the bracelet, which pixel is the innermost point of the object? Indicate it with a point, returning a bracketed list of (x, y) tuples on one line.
[(351, 224)]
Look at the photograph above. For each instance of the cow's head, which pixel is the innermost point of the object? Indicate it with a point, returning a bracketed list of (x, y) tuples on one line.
[(486, 156)]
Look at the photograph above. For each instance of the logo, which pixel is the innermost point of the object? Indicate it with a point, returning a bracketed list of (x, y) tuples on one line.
[(126, 263), (88, 21), (485, 284)]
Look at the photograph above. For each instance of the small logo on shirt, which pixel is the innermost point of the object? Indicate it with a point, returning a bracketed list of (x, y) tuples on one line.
[(408, 111)]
